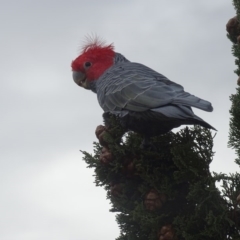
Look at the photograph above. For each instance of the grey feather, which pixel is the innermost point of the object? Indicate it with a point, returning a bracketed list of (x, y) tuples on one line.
[(138, 93), (133, 86)]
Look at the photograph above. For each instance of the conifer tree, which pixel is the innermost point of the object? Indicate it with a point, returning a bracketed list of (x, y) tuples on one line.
[(167, 191)]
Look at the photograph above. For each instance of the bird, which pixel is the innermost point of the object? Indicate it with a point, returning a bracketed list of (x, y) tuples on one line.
[(144, 101)]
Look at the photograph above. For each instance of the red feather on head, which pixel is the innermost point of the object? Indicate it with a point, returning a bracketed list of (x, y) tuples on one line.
[(98, 54)]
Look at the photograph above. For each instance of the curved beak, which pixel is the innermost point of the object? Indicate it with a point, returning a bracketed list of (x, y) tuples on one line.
[(80, 79)]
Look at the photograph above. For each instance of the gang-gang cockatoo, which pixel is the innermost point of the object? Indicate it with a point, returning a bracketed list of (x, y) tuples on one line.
[(144, 100)]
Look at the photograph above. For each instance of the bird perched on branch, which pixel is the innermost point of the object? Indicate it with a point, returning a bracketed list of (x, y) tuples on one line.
[(144, 100)]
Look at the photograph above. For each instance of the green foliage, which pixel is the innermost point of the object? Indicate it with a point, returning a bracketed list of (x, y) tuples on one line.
[(233, 38), (234, 134), (236, 4), (176, 167)]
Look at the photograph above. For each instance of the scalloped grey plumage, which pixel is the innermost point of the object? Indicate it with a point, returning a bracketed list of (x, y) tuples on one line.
[(143, 97)]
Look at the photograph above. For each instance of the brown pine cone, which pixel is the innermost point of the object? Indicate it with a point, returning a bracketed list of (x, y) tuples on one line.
[(105, 156), (167, 233), (129, 168), (100, 132), (116, 190), (238, 199), (238, 81), (238, 39), (232, 26), (154, 200)]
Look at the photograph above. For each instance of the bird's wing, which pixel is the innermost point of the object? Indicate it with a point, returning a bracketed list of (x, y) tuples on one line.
[(135, 87)]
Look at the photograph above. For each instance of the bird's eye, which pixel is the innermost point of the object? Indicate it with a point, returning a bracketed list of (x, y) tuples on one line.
[(87, 64)]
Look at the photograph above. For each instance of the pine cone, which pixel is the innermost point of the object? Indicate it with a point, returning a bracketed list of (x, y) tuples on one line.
[(238, 81), (116, 190), (232, 26), (129, 168), (105, 156), (154, 200), (100, 132), (167, 233), (238, 199), (238, 39)]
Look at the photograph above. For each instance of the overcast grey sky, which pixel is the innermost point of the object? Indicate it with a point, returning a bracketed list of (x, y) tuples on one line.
[(46, 191)]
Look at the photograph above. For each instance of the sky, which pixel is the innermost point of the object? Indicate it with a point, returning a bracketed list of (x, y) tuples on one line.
[(46, 191)]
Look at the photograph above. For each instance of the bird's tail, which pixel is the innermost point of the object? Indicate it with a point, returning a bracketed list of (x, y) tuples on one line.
[(182, 114), (191, 101), (199, 121)]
